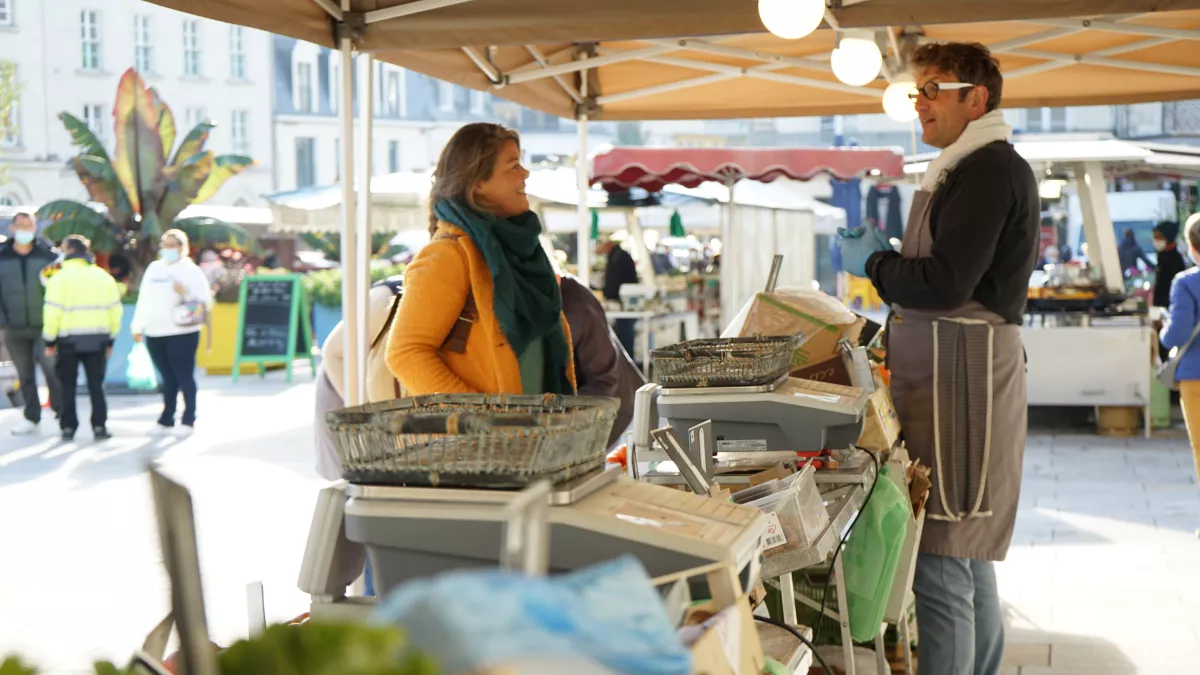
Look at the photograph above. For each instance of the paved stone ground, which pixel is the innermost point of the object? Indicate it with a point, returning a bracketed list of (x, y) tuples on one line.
[(1103, 577)]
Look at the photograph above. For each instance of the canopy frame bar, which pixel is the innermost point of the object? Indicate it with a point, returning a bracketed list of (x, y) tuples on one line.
[(331, 9), (1109, 26), (399, 11)]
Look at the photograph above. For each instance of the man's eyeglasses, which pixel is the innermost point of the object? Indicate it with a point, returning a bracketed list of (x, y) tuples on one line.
[(930, 89)]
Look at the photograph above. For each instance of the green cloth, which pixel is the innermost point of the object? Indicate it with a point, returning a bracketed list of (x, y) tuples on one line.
[(527, 299), (533, 368)]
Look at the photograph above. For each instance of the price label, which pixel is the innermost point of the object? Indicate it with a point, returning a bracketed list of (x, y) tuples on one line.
[(774, 537)]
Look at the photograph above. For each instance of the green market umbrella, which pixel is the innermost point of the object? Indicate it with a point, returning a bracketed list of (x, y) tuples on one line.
[(595, 225), (677, 225)]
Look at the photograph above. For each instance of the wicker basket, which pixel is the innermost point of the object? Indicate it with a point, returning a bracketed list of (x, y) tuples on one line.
[(727, 362), (472, 440)]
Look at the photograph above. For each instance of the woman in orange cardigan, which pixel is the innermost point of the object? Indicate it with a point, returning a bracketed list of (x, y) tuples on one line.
[(482, 308)]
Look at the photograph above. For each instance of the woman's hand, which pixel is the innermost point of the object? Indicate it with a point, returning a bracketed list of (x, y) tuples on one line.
[(137, 337)]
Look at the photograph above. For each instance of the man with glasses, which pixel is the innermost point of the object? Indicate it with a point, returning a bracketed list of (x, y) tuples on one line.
[(957, 290)]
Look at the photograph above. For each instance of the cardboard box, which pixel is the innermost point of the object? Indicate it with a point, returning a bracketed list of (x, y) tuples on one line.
[(820, 318), (883, 426), (832, 370), (732, 639)]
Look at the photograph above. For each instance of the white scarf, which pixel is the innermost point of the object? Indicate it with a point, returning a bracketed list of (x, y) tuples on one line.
[(983, 131)]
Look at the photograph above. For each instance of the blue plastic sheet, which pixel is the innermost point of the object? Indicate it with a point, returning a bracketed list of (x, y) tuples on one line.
[(608, 613)]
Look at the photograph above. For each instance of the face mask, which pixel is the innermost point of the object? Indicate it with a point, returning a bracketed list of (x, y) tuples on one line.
[(169, 255), (23, 237), (1160, 245)]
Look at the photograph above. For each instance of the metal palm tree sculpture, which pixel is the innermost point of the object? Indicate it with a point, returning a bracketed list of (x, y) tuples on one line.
[(143, 185)]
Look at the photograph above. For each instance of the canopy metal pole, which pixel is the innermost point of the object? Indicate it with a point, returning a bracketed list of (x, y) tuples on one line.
[(1097, 223), (351, 374), (729, 291), (582, 171), (362, 252)]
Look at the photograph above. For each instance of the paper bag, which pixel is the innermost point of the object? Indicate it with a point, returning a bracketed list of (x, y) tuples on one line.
[(820, 318)]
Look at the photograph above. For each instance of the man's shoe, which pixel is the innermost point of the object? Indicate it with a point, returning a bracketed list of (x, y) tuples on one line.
[(160, 430), (101, 434), (183, 431), (68, 434), (25, 428)]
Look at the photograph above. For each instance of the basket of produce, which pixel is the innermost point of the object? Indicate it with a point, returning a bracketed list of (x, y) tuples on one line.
[(472, 440), (725, 362)]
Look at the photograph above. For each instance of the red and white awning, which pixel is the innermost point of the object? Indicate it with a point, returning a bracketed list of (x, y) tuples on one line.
[(653, 168)]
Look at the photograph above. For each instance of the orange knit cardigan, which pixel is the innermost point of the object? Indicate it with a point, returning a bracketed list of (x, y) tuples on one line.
[(435, 292)]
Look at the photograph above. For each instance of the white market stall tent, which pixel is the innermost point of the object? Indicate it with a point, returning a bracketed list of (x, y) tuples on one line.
[(768, 219)]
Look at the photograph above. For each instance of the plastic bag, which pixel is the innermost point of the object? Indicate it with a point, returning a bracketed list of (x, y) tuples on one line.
[(609, 614), (872, 555), (139, 370)]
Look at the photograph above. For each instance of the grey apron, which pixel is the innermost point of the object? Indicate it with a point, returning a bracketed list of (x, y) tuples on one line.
[(958, 383)]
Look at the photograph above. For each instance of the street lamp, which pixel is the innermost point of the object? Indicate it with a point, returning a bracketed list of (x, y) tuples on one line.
[(857, 60), (896, 103), (791, 19)]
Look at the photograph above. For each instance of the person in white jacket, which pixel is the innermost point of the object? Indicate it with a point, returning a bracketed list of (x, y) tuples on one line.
[(173, 300)]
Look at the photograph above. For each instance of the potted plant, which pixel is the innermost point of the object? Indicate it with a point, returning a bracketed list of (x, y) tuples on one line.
[(143, 186)]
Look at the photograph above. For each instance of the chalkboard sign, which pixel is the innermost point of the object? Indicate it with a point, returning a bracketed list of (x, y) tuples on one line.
[(273, 323)]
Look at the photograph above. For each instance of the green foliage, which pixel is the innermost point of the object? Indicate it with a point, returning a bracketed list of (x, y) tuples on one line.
[(143, 184), (330, 244), (307, 649), (325, 287), (10, 92)]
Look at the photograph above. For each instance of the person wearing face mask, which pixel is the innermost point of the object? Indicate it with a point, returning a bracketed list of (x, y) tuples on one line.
[(173, 300), (22, 259), (957, 291), (482, 310)]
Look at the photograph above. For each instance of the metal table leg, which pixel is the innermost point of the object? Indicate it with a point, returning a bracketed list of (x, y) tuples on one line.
[(906, 643), (881, 662), (839, 582), (787, 595)]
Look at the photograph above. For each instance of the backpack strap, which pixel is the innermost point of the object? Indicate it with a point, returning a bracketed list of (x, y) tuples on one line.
[(456, 341)]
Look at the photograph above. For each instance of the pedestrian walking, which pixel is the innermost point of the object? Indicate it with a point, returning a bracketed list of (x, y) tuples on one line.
[(22, 258), (82, 319), (173, 301), (957, 289)]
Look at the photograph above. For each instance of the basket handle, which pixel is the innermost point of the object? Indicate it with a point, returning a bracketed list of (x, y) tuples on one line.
[(456, 423)]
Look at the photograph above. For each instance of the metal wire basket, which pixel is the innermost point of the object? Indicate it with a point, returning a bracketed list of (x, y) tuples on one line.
[(726, 362), (472, 440)]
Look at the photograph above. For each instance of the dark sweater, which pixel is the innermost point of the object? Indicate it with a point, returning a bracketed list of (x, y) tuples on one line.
[(21, 288), (984, 223), (1170, 263)]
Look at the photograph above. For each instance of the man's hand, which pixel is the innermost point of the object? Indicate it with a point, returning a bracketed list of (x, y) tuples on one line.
[(50, 351), (858, 244), (180, 289), (108, 352)]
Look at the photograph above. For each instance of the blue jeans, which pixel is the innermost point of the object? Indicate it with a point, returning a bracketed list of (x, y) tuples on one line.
[(959, 620), (174, 358)]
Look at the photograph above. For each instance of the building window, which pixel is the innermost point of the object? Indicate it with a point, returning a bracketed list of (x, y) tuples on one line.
[(143, 48), (1058, 119), (1033, 120), (304, 88), (391, 96), (306, 163), (191, 48), (478, 98), (10, 199), (240, 132), (335, 81), (194, 116), (93, 117), (445, 96), (6, 13), (393, 156), (237, 53), (89, 34)]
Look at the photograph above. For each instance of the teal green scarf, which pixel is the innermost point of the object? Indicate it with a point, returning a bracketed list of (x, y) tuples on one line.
[(528, 301)]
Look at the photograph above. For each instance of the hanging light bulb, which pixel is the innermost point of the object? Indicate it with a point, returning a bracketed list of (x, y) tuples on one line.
[(791, 19), (857, 60), (896, 103)]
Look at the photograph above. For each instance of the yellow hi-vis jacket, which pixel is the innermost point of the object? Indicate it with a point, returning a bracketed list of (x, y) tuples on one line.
[(81, 299)]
